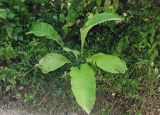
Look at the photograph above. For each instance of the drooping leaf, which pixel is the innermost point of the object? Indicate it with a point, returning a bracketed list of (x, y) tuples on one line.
[(51, 62), (75, 52), (43, 29), (83, 85), (108, 63), (97, 19)]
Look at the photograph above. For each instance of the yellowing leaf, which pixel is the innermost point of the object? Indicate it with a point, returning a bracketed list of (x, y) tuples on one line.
[(83, 85), (51, 62), (97, 19), (108, 63), (43, 29)]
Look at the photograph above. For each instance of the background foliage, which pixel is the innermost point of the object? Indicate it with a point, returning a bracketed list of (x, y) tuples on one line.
[(136, 40)]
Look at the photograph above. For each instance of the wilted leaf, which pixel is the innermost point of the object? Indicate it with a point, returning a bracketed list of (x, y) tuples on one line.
[(83, 85), (108, 63)]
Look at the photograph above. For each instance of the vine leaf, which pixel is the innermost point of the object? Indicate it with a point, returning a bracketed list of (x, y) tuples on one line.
[(43, 29), (83, 85), (108, 63), (51, 62), (97, 19)]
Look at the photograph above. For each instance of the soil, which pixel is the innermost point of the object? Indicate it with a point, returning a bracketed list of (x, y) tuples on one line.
[(14, 108), (9, 105)]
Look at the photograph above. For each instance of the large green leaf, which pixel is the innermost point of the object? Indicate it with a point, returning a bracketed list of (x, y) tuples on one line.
[(51, 62), (97, 19), (43, 29), (83, 85), (108, 63)]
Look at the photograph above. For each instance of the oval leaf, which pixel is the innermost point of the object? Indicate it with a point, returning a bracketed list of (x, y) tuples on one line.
[(83, 85), (108, 63), (97, 19), (51, 62), (43, 29)]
